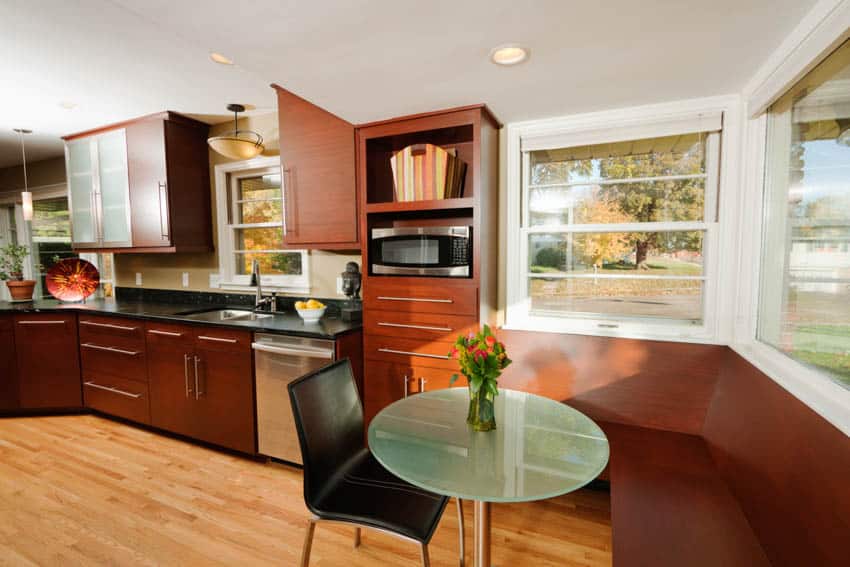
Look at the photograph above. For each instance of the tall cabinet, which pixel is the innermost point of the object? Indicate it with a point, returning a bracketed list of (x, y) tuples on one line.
[(140, 186)]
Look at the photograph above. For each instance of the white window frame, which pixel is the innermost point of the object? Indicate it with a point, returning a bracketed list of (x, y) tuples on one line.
[(822, 30), (225, 174), (646, 121)]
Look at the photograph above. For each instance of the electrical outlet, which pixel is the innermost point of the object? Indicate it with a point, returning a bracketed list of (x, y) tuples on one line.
[(215, 281), (138, 278), (339, 286), (185, 279)]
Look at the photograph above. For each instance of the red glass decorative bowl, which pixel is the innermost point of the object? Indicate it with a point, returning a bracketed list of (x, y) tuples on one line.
[(72, 279)]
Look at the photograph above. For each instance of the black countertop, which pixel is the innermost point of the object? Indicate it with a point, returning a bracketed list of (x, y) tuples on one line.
[(330, 326)]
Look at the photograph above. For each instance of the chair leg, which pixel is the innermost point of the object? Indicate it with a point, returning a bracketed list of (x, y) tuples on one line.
[(308, 543), (426, 559), (460, 530), (356, 538)]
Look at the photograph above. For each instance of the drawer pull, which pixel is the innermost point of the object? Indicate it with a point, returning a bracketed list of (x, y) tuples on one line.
[(164, 333), (113, 390), (41, 322), (422, 327), (217, 339), (111, 349), (408, 353), (109, 326), (422, 299)]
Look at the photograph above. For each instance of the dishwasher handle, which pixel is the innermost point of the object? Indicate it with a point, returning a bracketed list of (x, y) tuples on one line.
[(327, 354)]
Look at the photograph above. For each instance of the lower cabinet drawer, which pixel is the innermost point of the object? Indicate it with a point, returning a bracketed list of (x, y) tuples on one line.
[(432, 326), (117, 396), (408, 351), (99, 358)]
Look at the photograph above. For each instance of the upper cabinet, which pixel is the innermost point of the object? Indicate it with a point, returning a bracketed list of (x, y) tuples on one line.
[(317, 156), (141, 186)]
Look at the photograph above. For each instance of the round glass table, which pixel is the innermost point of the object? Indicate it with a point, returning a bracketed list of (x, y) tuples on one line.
[(540, 448)]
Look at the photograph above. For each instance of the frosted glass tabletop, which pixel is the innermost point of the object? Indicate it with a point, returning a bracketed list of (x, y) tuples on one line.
[(540, 448)]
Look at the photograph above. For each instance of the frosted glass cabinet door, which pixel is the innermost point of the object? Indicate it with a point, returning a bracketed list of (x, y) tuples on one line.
[(114, 198), (81, 187)]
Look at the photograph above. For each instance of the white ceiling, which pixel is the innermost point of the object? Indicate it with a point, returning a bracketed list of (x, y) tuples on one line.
[(368, 59)]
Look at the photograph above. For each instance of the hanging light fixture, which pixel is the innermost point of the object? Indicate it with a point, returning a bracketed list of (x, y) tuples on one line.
[(26, 196), (237, 144)]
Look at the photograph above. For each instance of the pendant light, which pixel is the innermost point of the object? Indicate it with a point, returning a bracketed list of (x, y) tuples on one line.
[(26, 196), (237, 144)]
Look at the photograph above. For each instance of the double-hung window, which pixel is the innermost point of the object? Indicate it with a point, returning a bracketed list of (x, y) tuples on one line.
[(250, 202), (616, 227)]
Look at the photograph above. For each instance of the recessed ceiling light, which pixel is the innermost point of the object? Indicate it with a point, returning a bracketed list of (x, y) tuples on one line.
[(67, 104), (511, 54), (219, 58)]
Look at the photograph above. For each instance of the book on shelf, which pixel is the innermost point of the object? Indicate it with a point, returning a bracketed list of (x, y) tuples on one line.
[(427, 172)]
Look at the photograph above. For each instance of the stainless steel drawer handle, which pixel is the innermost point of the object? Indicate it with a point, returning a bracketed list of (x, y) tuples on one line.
[(217, 339), (422, 299), (408, 353), (113, 390), (164, 333), (406, 326), (111, 349), (109, 326), (41, 322)]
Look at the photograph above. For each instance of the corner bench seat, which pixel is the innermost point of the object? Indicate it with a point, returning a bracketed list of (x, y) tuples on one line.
[(670, 506)]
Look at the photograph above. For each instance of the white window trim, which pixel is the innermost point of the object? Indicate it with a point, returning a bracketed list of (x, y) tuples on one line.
[(818, 34), (229, 280), (719, 308)]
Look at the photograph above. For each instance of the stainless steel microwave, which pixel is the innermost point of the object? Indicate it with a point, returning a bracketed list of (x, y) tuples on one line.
[(439, 251)]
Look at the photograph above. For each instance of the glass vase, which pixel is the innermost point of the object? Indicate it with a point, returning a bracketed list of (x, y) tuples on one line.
[(481, 416)]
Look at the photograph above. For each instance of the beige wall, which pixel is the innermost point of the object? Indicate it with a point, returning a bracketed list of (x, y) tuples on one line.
[(164, 271)]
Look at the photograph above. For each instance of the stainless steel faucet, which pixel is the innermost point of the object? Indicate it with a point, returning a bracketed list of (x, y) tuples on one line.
[(259, 300)]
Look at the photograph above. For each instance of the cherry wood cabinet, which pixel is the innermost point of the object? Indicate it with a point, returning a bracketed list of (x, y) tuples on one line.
[(48, 361), (167, 170), (317, 155), (201, 383), (8, 371)]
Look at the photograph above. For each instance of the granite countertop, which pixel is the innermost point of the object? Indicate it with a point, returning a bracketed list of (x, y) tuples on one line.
[(330, 326)]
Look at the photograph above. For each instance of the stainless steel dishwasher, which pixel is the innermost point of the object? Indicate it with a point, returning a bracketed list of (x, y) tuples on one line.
[(279, 360)]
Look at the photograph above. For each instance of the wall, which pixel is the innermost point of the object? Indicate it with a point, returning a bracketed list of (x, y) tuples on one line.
[(164, 271), (39, 173), (654, 384), (787, 466)]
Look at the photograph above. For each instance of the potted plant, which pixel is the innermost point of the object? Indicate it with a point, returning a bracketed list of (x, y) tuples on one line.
[(12, 258), (482, 358)]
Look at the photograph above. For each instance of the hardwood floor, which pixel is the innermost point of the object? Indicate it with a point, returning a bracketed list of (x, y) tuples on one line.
[(84, 490)]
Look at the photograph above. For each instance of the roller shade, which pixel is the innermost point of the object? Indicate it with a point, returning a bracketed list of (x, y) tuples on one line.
[(588, 136)]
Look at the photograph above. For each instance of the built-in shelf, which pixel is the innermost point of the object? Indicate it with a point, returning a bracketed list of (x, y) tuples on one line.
[(429, 205)]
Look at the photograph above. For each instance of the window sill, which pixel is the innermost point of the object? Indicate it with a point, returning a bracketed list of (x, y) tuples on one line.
[(295, 290), (698, 334), (826, 398)]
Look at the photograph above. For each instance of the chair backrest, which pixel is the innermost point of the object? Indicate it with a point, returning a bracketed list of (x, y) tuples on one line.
[(329, 420)]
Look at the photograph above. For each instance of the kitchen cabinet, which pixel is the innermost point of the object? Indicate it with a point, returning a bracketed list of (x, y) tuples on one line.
[(201, 383), (317, 155), (8, 372), (48, 361), (141, 186)]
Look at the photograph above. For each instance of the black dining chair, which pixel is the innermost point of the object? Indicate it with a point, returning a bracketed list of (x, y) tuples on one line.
[(342, 480)]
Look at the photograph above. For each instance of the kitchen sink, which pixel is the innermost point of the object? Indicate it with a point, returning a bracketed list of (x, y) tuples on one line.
[(220, 315)]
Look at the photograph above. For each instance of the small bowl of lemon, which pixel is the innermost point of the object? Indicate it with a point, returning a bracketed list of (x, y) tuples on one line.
[(311, 311)]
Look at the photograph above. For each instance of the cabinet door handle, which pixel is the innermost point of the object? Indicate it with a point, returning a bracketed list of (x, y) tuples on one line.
[(406, 391), (422, 382), (198, 392), (111, 349), (287, 225), (164, 333), (41, 322), (217, 339), (406, 326), (186, 374), (420, 299), (113, 390), (409, 353), (108, 326), (163, 210)]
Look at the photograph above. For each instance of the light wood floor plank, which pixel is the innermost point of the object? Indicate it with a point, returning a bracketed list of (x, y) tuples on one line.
[(84, 490)]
